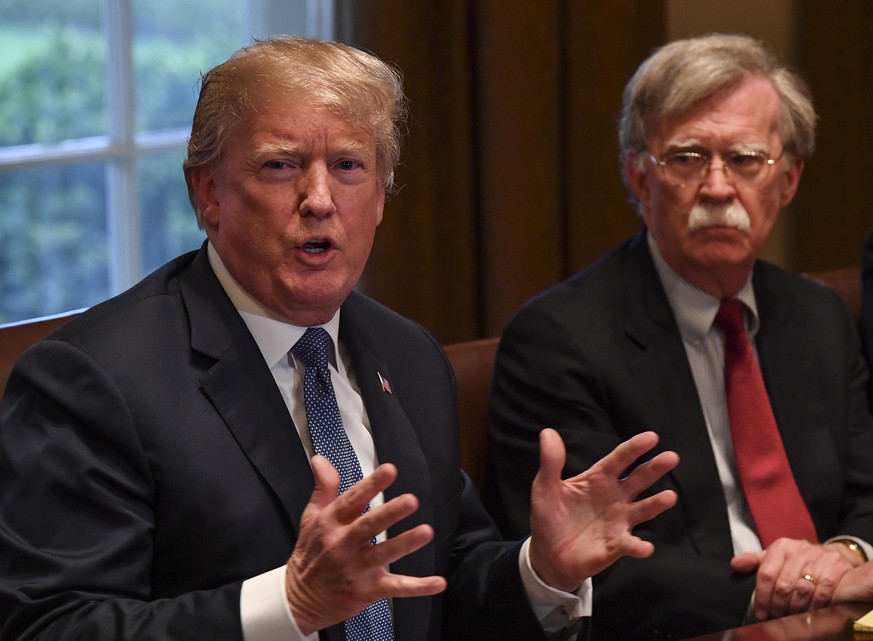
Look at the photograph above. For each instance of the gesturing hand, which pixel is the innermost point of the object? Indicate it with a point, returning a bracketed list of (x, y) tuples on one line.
[(581, 525), (334, 571)]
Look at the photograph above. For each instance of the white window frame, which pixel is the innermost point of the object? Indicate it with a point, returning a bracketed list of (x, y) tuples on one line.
[(122, 147)]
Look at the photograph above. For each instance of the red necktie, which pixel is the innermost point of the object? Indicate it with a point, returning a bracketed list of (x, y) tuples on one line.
[(765, 475)]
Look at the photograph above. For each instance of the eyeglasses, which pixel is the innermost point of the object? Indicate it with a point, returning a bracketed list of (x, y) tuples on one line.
[(690, 168)]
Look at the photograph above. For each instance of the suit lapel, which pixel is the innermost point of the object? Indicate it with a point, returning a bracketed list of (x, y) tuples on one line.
[(663, 376), (263, 429)]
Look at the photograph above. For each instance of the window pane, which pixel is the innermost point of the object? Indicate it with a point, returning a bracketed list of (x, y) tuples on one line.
[(53, 254), (52, 75), (174, 42), (169, 227)]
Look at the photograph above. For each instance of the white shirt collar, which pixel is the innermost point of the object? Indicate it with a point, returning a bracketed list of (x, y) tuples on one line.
[(274, 336), (694, 308)]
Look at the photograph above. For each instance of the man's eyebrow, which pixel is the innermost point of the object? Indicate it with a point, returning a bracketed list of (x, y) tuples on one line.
[(672, 145), (270, 149), (740, 147), (751, 147), (350, 146)]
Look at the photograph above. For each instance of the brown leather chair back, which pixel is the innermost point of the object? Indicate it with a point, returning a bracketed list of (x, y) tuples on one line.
[(847, 282), (17, 337), (473, 362)]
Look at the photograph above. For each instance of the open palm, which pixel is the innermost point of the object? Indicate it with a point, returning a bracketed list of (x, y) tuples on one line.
[(581, 525)]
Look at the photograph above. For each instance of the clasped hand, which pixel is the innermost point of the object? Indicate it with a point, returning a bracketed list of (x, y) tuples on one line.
[(794, 575)]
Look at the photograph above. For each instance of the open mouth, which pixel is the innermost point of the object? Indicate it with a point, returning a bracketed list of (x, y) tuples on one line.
[(316, 246)]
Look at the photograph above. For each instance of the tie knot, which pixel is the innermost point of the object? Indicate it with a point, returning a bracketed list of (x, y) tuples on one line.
[(312, 347), (730, 316)]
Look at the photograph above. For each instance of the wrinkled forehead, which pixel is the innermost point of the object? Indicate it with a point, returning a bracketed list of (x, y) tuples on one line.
[(749, 112), (299, 115)]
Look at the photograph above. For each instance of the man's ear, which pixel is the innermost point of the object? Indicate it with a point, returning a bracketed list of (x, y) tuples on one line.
[(637, 178), (203, 187), (789, 182), (380, 209)]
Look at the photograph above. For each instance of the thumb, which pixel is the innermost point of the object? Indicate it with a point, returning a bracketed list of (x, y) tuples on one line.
[(747, 562), (326, 481), (553, 455)]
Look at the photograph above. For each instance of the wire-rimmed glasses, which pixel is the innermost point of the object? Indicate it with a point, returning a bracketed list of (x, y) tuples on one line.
[(690, 168)]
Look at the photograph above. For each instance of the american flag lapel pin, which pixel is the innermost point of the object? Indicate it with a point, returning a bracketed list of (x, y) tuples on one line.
[(386, 386)]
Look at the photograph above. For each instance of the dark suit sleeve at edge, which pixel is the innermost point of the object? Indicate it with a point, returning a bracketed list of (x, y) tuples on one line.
[(486, 600), (76, 520)]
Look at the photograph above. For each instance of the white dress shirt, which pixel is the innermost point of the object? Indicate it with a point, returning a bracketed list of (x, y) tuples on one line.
[(264, 608), (695, 312)]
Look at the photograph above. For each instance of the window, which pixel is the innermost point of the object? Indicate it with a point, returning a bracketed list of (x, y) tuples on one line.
[(97, 103)]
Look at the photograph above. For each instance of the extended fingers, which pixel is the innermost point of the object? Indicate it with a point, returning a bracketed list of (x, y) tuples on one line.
[(397, 547), (355, 500), (645, 475), (379, 519), (636, 547), (400, 585), (326, 481), (346, 522), (650, 507), (553, 455), (372, 560), (624, 455)]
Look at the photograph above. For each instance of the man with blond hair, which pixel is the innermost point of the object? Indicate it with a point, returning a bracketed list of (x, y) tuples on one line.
[(243, 448)]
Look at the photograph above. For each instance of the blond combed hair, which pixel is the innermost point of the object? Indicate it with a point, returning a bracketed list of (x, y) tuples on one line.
[(363, 89)]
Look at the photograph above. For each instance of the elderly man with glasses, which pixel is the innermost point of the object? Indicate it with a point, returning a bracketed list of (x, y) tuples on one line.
[(752, 374)]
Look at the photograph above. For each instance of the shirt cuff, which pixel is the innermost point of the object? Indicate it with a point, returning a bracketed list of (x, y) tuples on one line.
[(555, 609), (265, 612), (865, 547)]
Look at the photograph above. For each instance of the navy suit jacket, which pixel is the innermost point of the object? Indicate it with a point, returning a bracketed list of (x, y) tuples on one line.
[(148, 465), (600, 358), (867, 301)]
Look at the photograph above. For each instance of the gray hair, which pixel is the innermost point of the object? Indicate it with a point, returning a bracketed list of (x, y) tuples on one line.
[(680, 75), (361, 88)]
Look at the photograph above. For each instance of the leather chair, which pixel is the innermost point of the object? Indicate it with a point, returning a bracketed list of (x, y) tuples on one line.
[(17, 337), (473, 362), (847, 282)]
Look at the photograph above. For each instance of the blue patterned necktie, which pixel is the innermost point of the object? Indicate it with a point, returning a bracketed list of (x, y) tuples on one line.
[(330, 440)]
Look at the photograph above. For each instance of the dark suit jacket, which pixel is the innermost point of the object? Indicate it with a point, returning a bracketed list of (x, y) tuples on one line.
[(600, 358), (867, 300), (148, 465)]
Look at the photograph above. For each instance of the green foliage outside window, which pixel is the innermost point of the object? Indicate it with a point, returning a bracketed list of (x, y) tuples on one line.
[(53, 221)]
